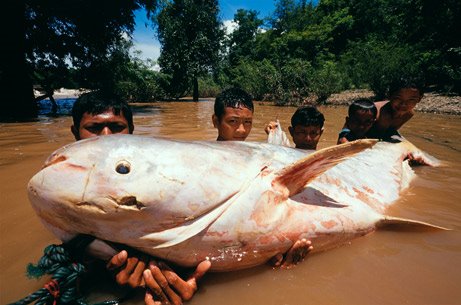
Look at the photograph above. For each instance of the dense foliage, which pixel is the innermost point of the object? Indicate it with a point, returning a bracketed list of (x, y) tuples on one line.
[(52, 43), (302, 50), (190, 34), (308, 49)]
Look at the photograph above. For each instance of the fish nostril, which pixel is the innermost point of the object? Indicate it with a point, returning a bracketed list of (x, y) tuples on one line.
[(53, 159), (128, 200), (131, 201)]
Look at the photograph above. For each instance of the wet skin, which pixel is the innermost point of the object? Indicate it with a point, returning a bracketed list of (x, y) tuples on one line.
[(360, 122), (405, 101), (104, 123), (396, 112), (306, 137), (235, 124)]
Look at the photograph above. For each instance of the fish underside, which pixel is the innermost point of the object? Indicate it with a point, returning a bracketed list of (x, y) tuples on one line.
[(235, 203)]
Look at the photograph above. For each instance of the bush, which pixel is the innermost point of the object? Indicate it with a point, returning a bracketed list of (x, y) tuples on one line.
[(326, 80), (257, 78), (294, 82), (208, 87), (377, 63), (143, 86)]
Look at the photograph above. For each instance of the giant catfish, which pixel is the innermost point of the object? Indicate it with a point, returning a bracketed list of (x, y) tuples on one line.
[(234, 203)]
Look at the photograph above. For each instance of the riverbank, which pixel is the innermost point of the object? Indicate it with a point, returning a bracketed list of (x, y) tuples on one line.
[(431, 102), (63, 93)]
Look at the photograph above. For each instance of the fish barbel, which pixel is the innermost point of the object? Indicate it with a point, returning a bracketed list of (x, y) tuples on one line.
[(234, 203)]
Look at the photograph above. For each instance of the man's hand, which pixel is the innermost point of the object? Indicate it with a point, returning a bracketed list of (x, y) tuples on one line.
[(293, 256), (163, 286), (130, 269)]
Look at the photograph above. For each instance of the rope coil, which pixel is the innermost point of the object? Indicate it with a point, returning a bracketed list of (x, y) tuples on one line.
[(62, 263)]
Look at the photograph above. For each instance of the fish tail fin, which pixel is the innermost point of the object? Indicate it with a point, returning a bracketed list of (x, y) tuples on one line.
[(295, 176), (397, 223)]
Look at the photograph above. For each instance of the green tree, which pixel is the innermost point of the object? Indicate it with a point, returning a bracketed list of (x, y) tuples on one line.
[(282, 19), (327, 79), (377, 63), (50, 37), (256, 77), (191, 36), (242, 39)]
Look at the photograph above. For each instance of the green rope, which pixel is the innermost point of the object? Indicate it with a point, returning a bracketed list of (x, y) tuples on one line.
[(62, 263)]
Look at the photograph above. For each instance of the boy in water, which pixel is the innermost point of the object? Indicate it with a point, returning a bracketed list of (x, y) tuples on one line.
[(96, 114), (306, 127), (404, 94), (233, 115), (361, 116)]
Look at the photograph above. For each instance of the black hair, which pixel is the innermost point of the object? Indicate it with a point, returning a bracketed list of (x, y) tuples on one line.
[(307, 116), (363, 104), (234, 98), (96, 102), (413, 82)]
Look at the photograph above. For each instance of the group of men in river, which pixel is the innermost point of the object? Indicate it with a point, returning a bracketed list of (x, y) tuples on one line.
[(97, 114)]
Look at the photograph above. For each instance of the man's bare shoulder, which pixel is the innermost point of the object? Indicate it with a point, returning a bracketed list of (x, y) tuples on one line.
[(380, 104)]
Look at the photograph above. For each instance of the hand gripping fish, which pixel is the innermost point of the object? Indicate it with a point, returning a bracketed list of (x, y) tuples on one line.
[(234, 203)]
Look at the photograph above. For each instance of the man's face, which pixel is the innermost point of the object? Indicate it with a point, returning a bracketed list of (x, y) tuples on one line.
[(405, 100), (100, 124), (360, 122), (235, 124), (306, 137)]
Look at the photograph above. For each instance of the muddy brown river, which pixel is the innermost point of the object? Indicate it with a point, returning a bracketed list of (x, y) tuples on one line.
[(385, 267)]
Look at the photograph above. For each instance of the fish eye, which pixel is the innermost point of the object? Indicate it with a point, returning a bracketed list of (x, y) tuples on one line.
[(123, 167)]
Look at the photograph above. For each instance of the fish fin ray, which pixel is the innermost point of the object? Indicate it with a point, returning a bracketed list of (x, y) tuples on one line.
[(295, 176), (393, 223), (176, 235)]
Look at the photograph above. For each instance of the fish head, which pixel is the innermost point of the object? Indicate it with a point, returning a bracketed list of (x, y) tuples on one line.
[(88, 182), (130, 186)]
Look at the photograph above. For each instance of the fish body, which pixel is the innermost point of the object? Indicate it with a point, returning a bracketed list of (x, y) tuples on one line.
[(234, 203)]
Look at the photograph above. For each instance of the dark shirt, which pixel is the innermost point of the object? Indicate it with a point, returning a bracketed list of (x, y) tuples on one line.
[(347, 133), (390, 135)]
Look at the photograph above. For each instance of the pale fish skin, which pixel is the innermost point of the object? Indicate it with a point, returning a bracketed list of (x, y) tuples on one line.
[(235, 203)]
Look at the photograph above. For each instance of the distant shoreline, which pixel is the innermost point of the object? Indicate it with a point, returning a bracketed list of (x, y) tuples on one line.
[(63, 93), (431, 102)]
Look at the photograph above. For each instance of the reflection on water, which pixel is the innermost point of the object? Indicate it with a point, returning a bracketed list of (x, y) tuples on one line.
[(386, 267), (45, 107)]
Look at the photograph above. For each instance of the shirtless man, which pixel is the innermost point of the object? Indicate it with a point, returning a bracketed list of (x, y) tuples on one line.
[(404, 94), (233, 118), (95, 114)]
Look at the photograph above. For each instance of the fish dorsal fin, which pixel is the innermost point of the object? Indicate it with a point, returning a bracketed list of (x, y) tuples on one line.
[(295, 176), (390, 222)]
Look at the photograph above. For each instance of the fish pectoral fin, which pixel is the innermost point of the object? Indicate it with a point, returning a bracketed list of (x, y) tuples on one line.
[(295, 176), (192, 227), (397, 223)]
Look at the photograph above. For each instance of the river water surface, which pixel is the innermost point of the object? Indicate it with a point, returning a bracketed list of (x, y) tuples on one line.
[(386, 267)]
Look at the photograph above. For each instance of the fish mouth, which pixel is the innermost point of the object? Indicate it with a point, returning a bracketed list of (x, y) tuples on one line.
[(109, 203), (91, 205)]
